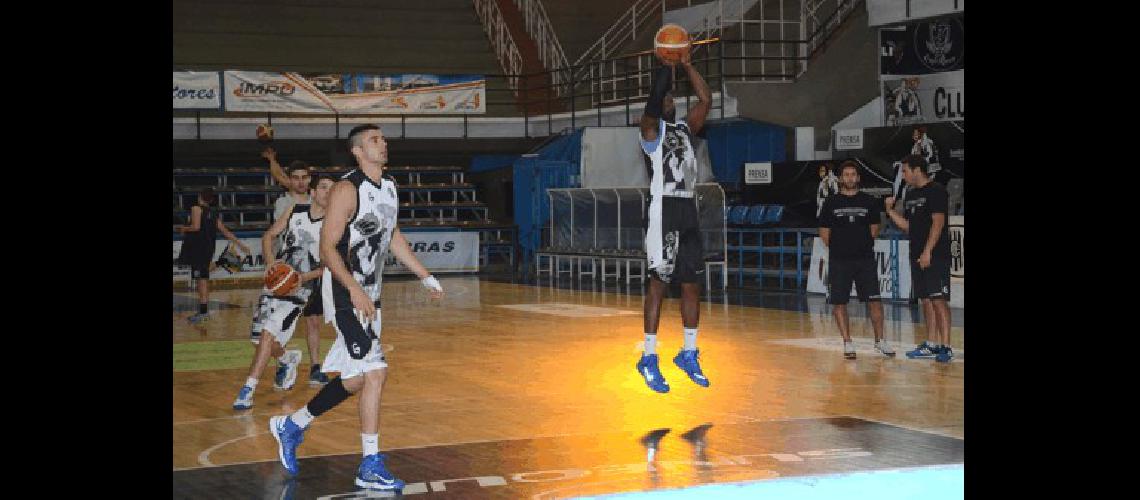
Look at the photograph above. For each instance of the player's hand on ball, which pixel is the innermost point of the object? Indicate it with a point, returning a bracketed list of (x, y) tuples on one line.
[(433, 287), (890, 201), (686, 57)]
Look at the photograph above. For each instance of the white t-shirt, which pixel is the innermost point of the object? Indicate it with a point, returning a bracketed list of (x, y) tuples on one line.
[(284, 202)]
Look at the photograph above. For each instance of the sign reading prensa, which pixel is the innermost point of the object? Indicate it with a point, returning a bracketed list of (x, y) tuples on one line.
[(849, 139), (758, 173)]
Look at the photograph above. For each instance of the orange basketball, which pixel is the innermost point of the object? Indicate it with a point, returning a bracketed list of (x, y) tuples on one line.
[(264, 133), (281, 279), (671, 42)]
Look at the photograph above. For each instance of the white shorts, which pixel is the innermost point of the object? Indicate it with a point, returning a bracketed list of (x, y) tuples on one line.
[(339, 360), (279, 317)]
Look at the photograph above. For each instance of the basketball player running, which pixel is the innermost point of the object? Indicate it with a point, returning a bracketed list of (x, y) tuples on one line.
[(198, 247), (298, 180), (848, 227), (925, 221), (673, 238), (359, 230), (301, 229)]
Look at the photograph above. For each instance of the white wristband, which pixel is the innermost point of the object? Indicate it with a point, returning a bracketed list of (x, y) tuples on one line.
[(431, 283)]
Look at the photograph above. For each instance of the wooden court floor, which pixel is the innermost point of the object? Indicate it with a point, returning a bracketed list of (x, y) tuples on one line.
[(494, 362)]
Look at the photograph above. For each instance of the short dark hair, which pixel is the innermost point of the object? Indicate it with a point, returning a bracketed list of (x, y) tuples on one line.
[(208, 196), (317, 178), (295, 166), (916, 161), (849, 163), (357, 130)]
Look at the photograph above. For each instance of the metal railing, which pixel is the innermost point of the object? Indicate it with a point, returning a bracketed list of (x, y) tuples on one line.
[(504, 46), (550, 51)]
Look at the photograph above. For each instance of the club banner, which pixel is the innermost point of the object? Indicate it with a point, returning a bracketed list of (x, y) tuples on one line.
[(253, 265), (818, 277), (260, 91), (927, 98), (354, 93), (943, 145), (923, 48), (439, 252), (406, 94), (197, 90)]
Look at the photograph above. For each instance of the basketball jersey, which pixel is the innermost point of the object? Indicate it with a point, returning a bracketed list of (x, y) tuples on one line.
[(300, 245), (299, 240), (198, 246), (671, 160), (364, 243)]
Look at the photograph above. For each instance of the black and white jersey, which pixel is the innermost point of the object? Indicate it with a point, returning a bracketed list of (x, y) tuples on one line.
[(671, 160), (300, 240), (364, 243)]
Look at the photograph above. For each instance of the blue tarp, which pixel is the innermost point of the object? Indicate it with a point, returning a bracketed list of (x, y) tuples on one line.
[(556, 165), (734, 142)]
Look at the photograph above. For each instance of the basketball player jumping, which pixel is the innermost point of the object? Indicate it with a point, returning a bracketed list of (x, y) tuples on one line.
[(359, 230), (301, 230), (673, 238)]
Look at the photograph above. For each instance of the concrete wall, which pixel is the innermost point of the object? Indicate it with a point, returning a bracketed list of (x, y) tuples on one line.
[(842, 77)]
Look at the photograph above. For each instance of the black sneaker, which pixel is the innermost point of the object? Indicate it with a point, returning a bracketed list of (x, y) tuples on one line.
[(316, 377)]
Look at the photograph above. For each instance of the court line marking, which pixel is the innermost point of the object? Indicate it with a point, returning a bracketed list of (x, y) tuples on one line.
[(453, 443), (204, 456)]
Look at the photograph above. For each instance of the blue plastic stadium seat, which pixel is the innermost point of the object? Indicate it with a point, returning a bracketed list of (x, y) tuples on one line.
[(773, 214), (756, 214)]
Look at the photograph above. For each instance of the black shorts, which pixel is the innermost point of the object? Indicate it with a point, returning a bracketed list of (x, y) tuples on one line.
[(841, 273), (315, 307), (200, 271), (932, 282), (682, 251)]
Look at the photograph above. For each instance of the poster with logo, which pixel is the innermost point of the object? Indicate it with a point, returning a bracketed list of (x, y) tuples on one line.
[(411, 94), (943, 145), (922, 72), (935, 46), (197, 90), (261, 91), (922, 99), (440, 252), (253, 265), (354, 93), (818, 277)]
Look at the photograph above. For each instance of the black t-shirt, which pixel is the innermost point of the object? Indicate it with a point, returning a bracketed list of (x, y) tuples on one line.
[(198, 246), (850, 219), (919, 207)]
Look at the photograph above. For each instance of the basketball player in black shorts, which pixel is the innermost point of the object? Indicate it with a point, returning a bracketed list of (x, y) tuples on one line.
[(848, 226), (198, 247), (673, 237), (925, 211)]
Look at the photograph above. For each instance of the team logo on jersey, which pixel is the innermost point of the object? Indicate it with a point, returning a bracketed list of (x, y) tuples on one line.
[(368, 225)]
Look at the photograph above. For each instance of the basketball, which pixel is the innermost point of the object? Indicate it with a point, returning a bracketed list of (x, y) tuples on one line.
[(264, 133), (671, 42), (281, 279)]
